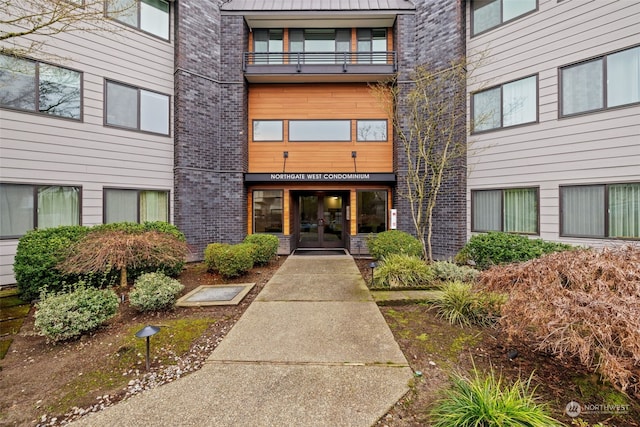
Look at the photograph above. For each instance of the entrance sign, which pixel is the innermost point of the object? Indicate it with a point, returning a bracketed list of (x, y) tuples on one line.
[(320, 177)]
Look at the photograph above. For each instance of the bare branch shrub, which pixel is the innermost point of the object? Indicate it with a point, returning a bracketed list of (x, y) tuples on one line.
[(583, 304), (105, 250)]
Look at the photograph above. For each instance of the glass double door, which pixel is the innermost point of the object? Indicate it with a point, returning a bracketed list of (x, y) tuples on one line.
[(321, 221)]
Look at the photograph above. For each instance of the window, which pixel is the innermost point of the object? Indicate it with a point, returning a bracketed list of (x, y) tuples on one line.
[(372, 130), (372, 211), (606, 82), (319, 130), (134, 108), (25, 207), (267, 41), (512, 210), (510, 104), (320, 45), (124, 205), (35, 86), (267, 130), (487, 14), (151, 16), (600, 211), (267, 211), (373, 40)]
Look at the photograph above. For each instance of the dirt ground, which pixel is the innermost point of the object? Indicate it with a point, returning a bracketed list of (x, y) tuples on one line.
[(34, 372)]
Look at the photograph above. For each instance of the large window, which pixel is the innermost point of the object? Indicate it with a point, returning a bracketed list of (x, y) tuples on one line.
[(373, 41), (268, 41), (488, 14), (510, 104), (372, 211), (267, 130), (606, 82), (321, 44), (372, 130), (151, 16), (600, 211), (35, 86), (320, 130), (267, 211), (513, 210), (25, 207), (125, 205), (134, 108)]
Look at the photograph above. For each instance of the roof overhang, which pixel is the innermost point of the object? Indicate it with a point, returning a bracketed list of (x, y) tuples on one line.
[(341, 19)]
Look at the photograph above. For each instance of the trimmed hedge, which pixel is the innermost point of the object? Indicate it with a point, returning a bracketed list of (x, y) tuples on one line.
[(496, 248), (230, 260), (69, 315), (154, 292), (40, 251), (393, 242), (266, 247)]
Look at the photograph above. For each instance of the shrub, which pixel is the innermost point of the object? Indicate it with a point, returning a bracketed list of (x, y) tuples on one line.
[(38, 254), (69, 315), (489, 402), (154, 291), (495, 248), (393, 242), (579, 304), (402, 271), (459, 303), (266, 247), (212, 254), (448, 271), (230, 260)]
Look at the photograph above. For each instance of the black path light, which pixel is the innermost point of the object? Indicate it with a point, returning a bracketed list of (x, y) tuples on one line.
[(372, 266), (147, 332)]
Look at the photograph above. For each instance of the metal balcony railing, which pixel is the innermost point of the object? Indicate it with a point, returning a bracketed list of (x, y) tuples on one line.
[(308, 61)]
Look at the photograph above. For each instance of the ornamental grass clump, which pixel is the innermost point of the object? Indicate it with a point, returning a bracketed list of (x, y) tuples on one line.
[(68, 315), (580, 304), (459, 303), (154, 292), (484, 401), (448, 271), (402, 271)]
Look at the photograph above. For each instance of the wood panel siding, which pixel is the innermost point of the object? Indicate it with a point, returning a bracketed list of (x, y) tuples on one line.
[(317, 102), (591, 148)]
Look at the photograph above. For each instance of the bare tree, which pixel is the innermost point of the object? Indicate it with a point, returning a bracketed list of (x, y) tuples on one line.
[(27, 25), (428, 113)]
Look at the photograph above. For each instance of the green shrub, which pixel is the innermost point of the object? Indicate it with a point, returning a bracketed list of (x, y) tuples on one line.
[(393, 242), (212, 254), (69, 315), (495, 248), (459, 303), (402, 271), (448, 271), (38, 253), (230, 260), (266, 247), (487, 401), (154, 291)]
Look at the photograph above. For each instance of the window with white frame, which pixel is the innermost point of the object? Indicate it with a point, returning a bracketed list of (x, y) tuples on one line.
[(600, 211), (131, 205), (39, 87), (24, 207), (606, 82), (151, 16), (487, 14), (513, 210), (510, 104), (135, 108)]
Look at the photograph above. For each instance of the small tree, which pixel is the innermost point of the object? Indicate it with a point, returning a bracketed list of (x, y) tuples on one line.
[(101, 251), (429, 118)]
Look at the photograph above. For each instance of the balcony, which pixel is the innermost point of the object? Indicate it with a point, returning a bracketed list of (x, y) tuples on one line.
[(299, 67)]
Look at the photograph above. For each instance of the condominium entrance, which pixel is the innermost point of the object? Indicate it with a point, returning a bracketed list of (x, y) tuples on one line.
[(320, 220)]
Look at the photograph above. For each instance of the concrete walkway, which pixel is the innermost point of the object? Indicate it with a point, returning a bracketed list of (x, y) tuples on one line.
[(312, 350)]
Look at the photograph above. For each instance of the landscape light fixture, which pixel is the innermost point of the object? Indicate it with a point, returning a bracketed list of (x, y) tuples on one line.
[(372, 266), (147, 332)]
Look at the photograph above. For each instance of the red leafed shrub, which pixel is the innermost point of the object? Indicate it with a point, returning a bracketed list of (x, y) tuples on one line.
[(583, 303)]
